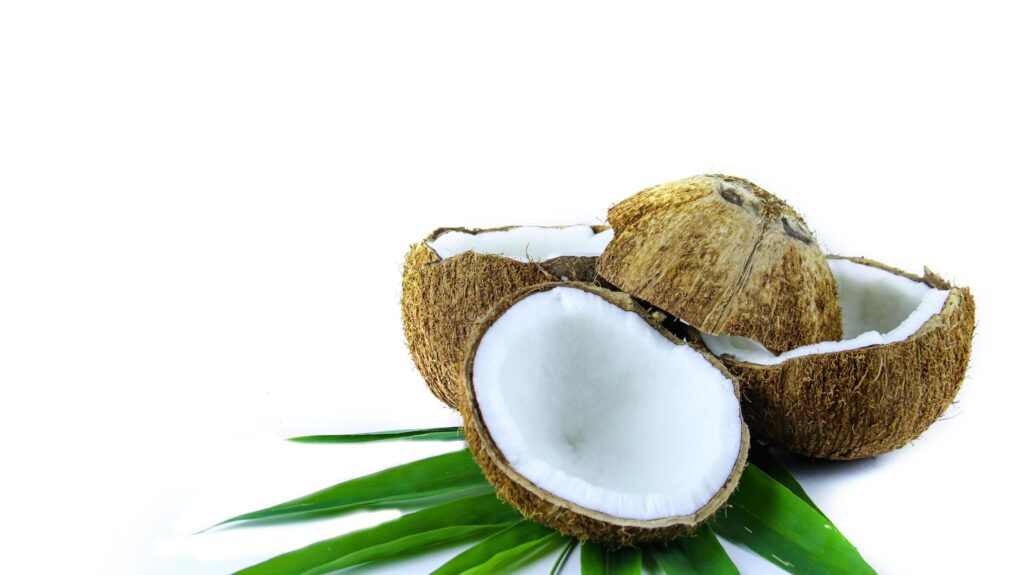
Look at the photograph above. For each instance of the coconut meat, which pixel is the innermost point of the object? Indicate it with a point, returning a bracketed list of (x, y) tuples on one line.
[(525, 243), (590, 403), (879, 307)]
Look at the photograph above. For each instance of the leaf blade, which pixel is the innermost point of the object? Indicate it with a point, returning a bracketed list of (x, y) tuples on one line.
[(706, 554), (515, 535), (563, 556), (447, 522), (625, 561), (593, 560), (771, 520), (762, 457), (671, 560), (519, 554), (598, 560), (426, 434), (448, 473)]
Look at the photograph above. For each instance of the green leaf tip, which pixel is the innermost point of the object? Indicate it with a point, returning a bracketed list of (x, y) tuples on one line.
[(447, 475), (427, 434)]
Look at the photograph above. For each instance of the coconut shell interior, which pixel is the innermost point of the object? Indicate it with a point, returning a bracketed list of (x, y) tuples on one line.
[(727, 257), (559, 513)]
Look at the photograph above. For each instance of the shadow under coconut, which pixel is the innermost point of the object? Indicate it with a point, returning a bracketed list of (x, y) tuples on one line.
[(813, 470)]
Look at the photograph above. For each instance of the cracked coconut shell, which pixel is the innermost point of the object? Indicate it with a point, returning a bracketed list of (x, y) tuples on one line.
[(863, 402), (541, 506), (726, 257), (442, 298)]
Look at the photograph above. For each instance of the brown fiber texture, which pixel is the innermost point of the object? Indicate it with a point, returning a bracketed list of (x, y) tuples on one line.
[(442, 298), (726, 257), (862, 402), (558, 513)]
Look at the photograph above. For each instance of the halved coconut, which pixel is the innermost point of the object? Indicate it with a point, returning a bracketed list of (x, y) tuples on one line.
[(590, 418), (456, 274), (905, 347), (727, 257)]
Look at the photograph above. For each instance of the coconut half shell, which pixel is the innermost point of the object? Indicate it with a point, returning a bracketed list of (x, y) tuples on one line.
[(726, 257), (442, 298), (868, 401), (561, 513)]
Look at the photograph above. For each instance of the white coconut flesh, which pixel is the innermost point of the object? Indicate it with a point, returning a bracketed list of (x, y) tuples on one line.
[(879, 307), (526, 243), (590, 403)]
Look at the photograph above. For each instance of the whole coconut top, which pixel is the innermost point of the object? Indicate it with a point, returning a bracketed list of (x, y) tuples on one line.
[(726, 257)]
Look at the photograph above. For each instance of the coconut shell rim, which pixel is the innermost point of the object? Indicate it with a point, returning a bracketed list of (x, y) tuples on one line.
[(438, 232), (438, 260), (458, 259), (936, 321)]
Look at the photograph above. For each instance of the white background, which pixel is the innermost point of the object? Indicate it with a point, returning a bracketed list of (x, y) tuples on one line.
[(204, 208)]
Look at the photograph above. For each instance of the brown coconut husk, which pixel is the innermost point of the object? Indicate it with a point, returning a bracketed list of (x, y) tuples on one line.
[(727, 257), (558, 513), (863, 402), (442, 298)]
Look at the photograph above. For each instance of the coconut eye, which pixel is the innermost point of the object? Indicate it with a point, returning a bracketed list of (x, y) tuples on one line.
[(796, 230), (740, 196), (731, 195)]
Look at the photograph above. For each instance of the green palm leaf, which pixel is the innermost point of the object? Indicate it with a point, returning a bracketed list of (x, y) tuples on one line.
[(771, 520), (699, 553), (593, 560), (761, 456), (597, 560), (671, 560), (449, 475), (770, 513), (447, 523), (625, 561), (518, 535), (430, 434), (507, 560), (563, 556)]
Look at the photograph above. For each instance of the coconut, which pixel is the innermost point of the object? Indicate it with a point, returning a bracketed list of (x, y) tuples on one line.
[(456, 274), (726, 257), (904, 353), (589, 417)]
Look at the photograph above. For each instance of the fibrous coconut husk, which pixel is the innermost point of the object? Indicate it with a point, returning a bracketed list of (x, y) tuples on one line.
[(558, 513), (863, 402), (442, 298), (726, 257)]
